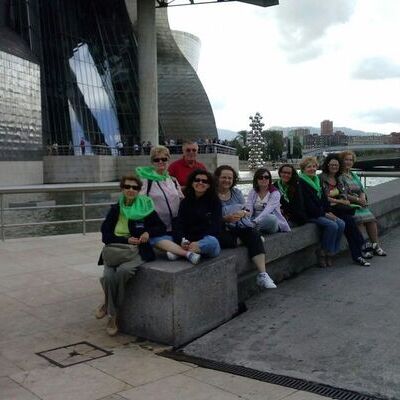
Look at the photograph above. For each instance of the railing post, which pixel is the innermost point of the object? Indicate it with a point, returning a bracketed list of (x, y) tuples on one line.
[(365, 181), (83, 213), (3, 238)]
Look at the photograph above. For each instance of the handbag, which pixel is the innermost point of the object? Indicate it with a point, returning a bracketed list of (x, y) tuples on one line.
[(115, 254), (343, 209)]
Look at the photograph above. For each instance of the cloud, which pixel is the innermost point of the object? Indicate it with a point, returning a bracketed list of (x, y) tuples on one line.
[(303, 25), (377, 68), (388, 115)]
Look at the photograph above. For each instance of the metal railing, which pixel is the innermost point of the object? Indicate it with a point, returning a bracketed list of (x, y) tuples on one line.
[(86, 188), (90, 150)]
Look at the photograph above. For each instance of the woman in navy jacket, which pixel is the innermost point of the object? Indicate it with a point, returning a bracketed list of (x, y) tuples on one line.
[(317, 210), (132, 221)]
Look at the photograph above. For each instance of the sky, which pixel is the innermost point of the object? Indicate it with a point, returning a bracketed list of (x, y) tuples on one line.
[(300, 62)]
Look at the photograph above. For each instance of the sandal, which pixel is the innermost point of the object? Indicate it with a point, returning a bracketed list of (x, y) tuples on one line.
[(378, 250)]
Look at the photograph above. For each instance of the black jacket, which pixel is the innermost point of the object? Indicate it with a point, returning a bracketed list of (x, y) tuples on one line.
[(198, 217), (293, 210), (151, 224), (314, 207)]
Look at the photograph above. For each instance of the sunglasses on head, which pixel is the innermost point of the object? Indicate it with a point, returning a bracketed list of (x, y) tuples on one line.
[(265, 177), (133, 187), (199, 180), (163, 159), (191, 150)]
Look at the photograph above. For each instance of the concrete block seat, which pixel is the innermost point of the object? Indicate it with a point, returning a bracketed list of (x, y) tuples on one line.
[(176, 302)]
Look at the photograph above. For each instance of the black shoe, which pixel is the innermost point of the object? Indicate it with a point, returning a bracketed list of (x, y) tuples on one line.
[(361, 261), (367, 254), (378, 250)]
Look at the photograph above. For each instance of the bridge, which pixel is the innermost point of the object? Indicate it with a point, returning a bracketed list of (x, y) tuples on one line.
[(387, 160)]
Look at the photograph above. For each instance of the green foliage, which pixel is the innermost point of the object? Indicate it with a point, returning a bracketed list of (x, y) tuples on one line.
[(274, 145)]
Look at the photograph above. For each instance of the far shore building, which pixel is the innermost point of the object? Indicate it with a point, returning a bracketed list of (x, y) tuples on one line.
[(326, 127)]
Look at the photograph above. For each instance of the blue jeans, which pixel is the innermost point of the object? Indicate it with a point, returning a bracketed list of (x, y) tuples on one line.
[(268, 224), (332, 232), (209, 246)]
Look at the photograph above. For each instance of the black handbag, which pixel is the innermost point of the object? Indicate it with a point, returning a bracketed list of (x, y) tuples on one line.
[(343, 209)]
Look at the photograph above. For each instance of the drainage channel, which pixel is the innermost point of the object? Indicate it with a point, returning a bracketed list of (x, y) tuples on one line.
[(282, 380)]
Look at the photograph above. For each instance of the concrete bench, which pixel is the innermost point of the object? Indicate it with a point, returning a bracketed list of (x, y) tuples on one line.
[(175, 302)]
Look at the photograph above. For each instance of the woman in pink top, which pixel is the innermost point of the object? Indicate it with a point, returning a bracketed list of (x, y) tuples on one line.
[(263, 204)]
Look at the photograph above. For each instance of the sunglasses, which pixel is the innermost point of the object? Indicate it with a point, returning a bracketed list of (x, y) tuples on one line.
[(191, 150), (133, 187), (264, 177), (157, 160), (199, 180)]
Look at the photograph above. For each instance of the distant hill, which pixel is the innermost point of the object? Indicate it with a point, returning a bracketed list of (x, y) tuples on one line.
[(226, 134)]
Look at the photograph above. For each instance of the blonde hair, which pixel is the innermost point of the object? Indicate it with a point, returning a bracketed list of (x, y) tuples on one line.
[(346, 153), (159, 151), (307, 160)]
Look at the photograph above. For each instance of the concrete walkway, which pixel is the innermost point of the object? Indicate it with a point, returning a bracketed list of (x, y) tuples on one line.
[(48, 293), (338, 326)]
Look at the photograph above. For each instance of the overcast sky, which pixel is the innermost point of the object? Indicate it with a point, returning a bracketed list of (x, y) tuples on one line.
[(300, 62)]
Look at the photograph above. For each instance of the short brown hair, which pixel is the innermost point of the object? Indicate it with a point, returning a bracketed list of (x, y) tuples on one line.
[(130, 178), (307, 160), (346, 153)]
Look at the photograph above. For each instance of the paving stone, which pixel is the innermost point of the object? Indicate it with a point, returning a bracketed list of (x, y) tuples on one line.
[(137, 366), (10, 390), (179, 387), (77, 382), (241, 386)]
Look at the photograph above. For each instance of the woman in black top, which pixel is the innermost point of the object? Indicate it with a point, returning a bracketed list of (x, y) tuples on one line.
[(200, 216), (292, 205), (130, 223)]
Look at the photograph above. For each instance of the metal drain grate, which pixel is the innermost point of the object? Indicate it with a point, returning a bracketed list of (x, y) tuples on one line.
[(73, 354), (287, 381)]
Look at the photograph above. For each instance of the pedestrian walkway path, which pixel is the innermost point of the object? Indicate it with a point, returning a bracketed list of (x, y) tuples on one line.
[(336, 326), (48, 293)]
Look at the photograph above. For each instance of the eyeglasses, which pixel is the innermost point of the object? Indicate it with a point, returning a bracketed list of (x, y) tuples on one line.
[(163, 159), (191, 150), (264, 177), (199, 180), (133, 187)]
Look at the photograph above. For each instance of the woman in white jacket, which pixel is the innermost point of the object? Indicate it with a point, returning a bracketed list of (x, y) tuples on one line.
[(263, 204)]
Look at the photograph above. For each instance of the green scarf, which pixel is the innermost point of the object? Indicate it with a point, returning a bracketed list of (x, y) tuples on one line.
[(141, 207), (151, 174), (284, 189), (357, 179), (314, 182)]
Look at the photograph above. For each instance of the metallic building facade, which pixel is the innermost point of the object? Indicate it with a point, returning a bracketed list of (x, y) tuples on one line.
[(68, 70)]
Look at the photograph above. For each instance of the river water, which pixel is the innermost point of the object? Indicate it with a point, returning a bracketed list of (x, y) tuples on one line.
[(96, 211)]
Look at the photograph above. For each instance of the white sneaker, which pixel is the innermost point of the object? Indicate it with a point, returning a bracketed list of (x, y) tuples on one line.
[(172, 256), (194, 258), (265, 281)]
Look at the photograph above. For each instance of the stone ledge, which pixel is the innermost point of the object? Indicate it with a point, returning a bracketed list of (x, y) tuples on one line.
[(175, 302)]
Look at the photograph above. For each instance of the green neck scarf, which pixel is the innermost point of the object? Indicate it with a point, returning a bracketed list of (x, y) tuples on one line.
[(141, 207), (356, 178), (151, 174), (284, 189), (313, 182)]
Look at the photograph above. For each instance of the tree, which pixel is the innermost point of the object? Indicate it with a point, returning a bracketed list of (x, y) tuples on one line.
[(274, 140), (240, 144), (256, 142), (297, 148)]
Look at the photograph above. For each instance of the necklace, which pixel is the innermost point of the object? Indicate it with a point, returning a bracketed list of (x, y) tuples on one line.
[(225, 196)]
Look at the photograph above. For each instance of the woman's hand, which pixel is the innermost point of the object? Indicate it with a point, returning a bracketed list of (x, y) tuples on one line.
[(133, 240), (331, 216), (144, 237), (345, 202), (235, 217)]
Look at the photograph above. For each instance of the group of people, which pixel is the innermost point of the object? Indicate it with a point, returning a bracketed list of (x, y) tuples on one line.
[(187, 212)]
